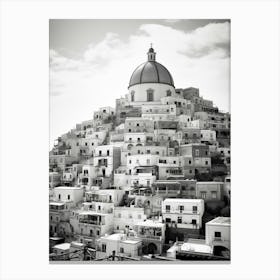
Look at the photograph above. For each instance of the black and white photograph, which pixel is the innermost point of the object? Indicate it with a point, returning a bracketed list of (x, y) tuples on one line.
[(139, 140), (139, 162)]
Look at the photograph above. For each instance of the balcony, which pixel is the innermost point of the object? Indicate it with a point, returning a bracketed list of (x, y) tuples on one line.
[(91, 222)]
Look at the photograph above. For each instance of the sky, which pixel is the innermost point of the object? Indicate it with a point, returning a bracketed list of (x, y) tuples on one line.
[(91, 62)]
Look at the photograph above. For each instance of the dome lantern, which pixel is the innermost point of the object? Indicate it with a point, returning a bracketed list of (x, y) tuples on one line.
[(151, 54)]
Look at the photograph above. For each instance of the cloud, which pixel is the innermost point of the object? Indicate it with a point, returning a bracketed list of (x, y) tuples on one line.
[(79, 86)]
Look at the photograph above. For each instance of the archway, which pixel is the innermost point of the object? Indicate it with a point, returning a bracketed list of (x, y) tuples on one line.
[(152, 248), (221, 251)]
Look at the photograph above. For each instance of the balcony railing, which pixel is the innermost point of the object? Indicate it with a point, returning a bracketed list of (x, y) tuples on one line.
[(150, 237)]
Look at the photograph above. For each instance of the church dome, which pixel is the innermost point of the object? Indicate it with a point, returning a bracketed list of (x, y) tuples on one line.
[(151, 72)]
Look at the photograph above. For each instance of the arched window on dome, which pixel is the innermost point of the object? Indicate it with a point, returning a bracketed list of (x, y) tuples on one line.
[(150, 94), (168, 92), (132, 96)]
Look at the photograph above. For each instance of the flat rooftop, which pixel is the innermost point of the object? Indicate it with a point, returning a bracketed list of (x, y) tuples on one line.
[(182, 200), (130, 241), (68, 188), (196, 247), (63, 246), (150, 223), (220, 221), (114, 236)]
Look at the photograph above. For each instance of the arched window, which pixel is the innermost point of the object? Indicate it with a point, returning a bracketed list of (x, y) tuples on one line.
[(132, 96), (150, 94)]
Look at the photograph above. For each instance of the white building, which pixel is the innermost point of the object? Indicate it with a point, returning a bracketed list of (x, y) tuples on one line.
[(218, 234), (68, 194), (126, 217), (184, 213), (152, 234), (106, 160), (119, 244)]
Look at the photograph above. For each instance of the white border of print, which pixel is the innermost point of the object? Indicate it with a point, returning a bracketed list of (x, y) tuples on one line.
[(255, 138)]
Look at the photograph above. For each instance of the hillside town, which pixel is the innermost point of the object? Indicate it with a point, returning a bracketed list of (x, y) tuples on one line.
[(147, 180)]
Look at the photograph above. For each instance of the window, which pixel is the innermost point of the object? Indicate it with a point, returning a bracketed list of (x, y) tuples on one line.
[(168, 92), (194, 209), (137, 124), (100, 152), (181, 208), (214, 195), (132, 96), (103, 248), (130, 161), (91, 232), (194, 221), (167, 208), (129, 130), (86, 143), (97, 232), (171, 109), (150, 95), (99, 207), (218, 235), (138, 151), (130, 216), (108, 152), (197, 153), (121, 250), (59, 196), (148, 151), (148, 161), (51, 218), (206, 162), (203, 195), (68, 196), (190, 162), (179, 220)]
